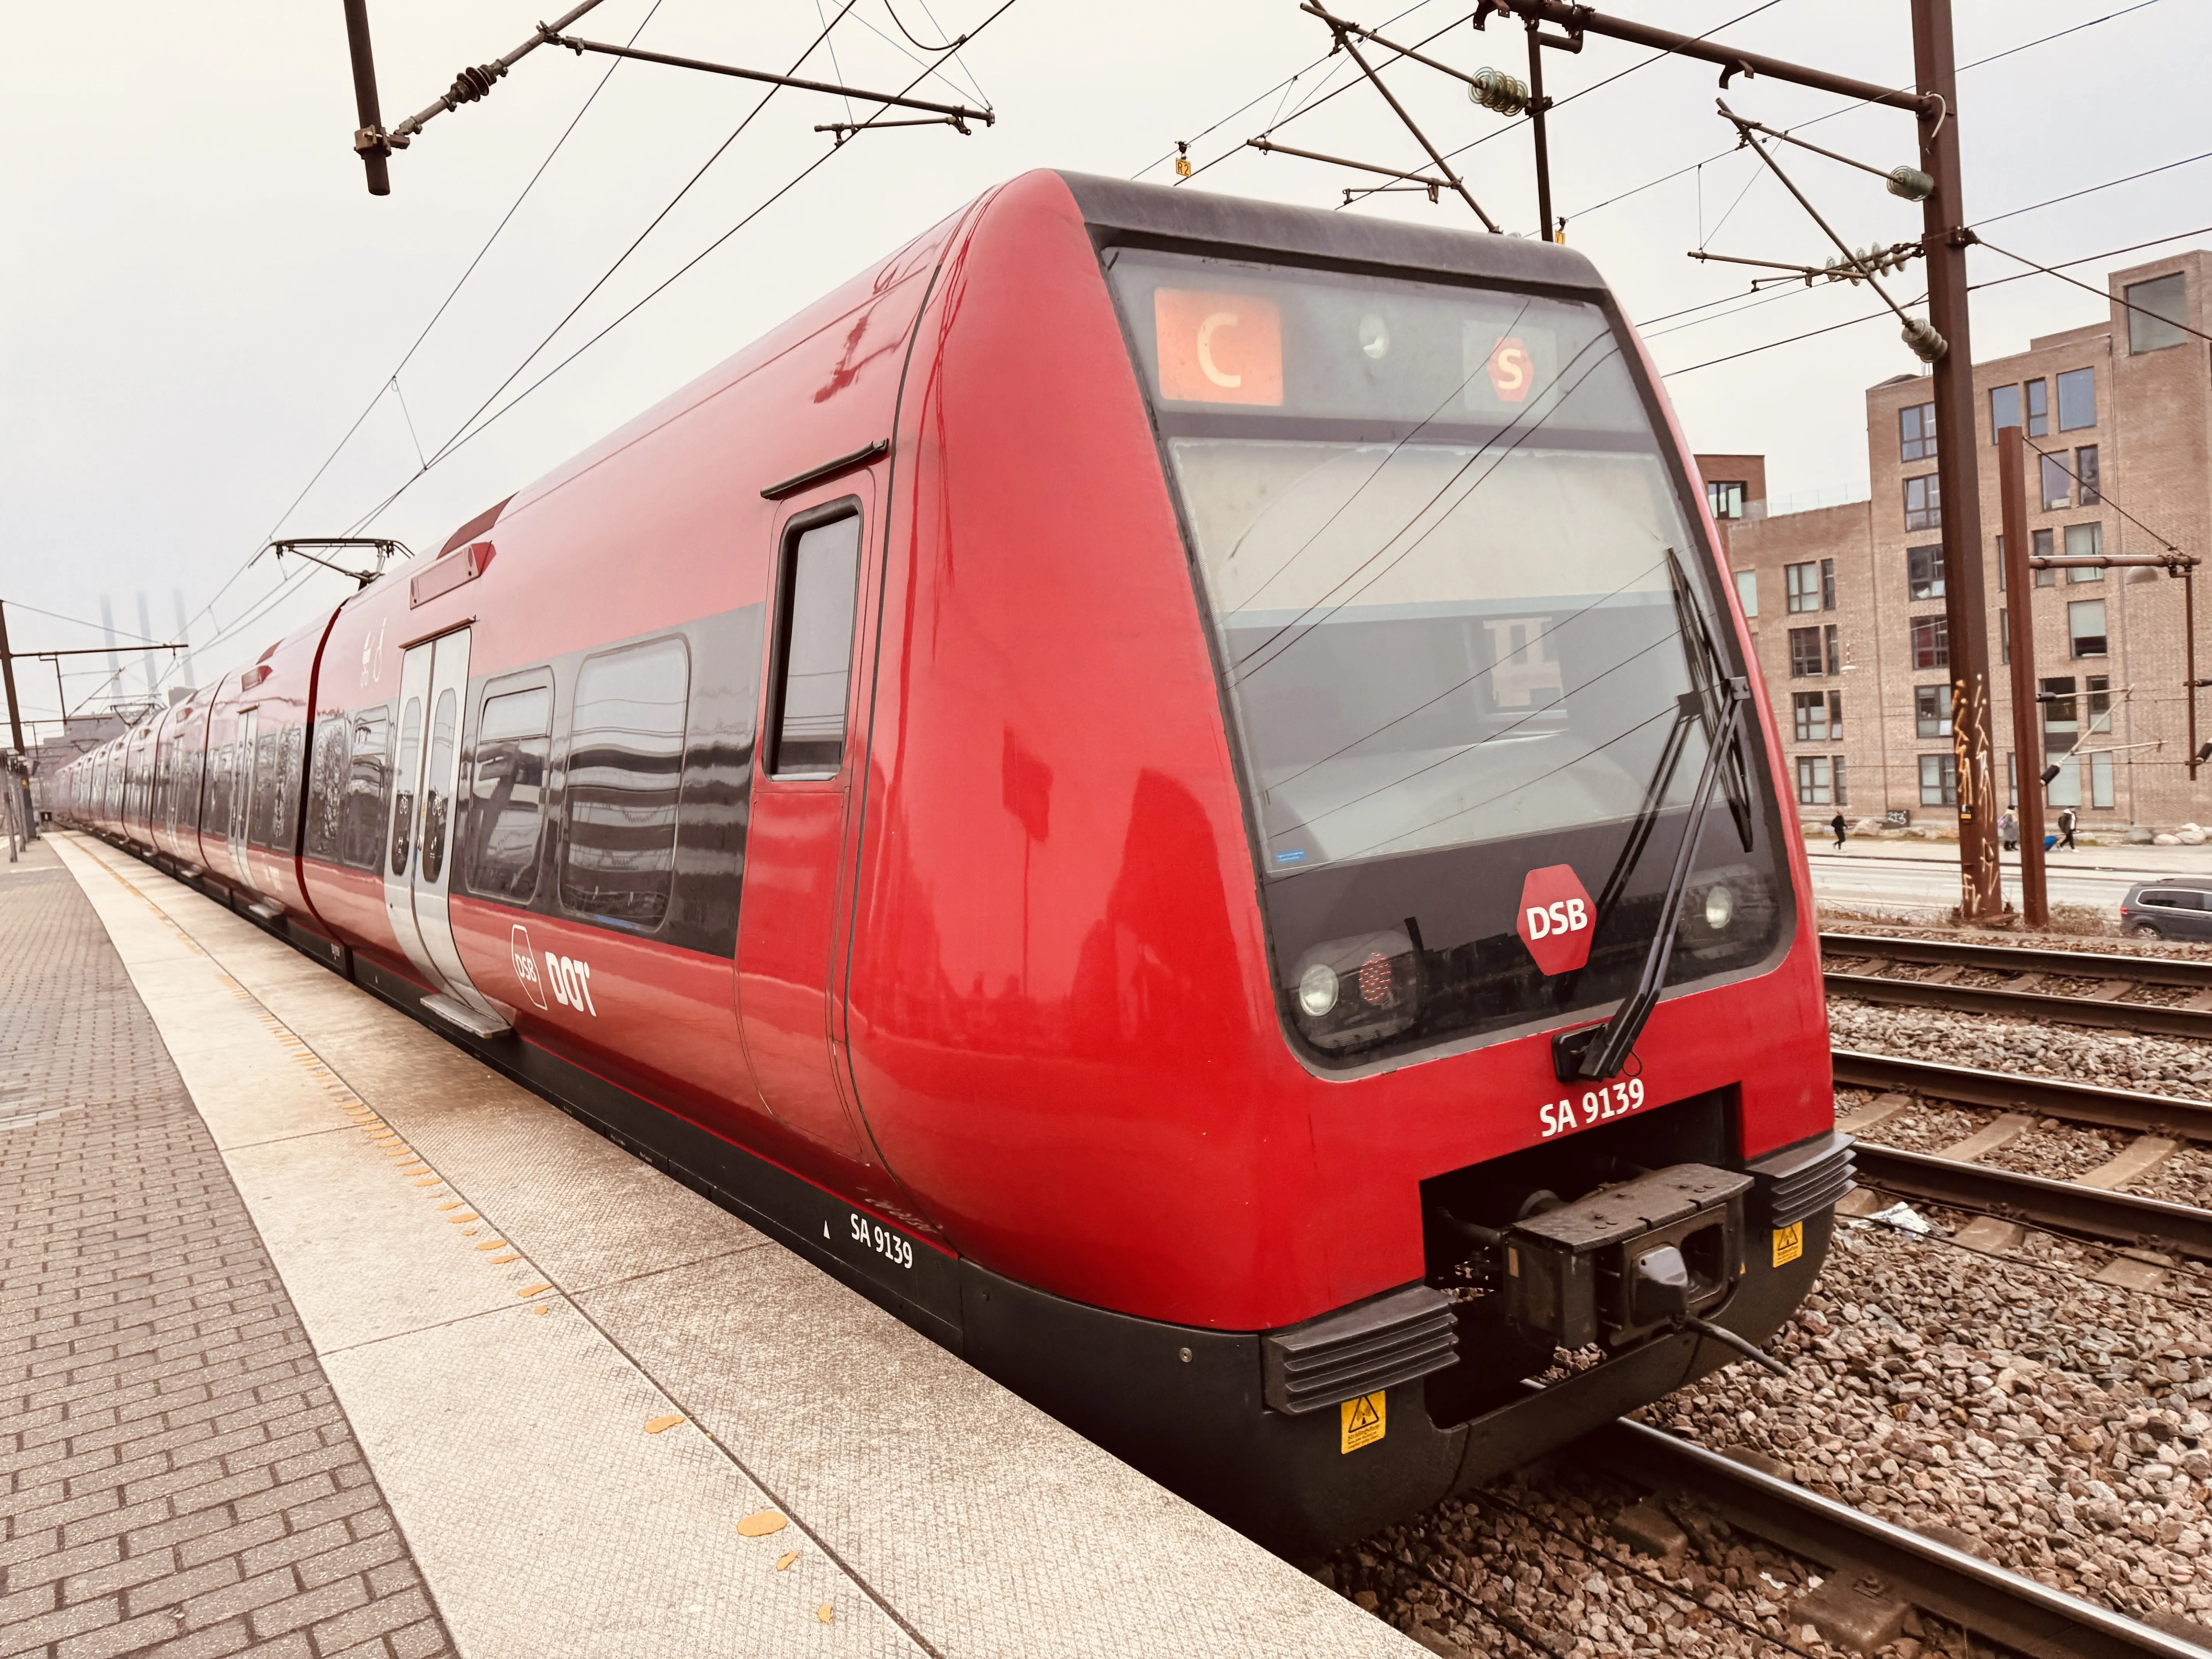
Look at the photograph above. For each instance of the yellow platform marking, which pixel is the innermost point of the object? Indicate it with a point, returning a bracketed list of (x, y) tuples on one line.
[(826, 1613), (662, 1424), (761, 1523), (493, 1244), (469, 1215), (501, 1261), (534, 1290), (1361, 1422), (785, 1560)]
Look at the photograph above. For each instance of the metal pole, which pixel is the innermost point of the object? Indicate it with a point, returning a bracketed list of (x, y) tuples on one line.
[(8, 674), (2026, 712), (1981, 891), (369, 141), (1536, 105), (2189, 632)]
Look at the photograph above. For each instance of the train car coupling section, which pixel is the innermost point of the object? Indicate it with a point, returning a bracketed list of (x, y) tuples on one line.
[(1628, 1260)]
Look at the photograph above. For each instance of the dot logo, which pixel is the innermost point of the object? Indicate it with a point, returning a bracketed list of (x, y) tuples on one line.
[(1555, 921)]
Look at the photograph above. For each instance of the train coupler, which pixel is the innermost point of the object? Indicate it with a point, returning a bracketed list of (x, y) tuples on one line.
[(1629, 1261)]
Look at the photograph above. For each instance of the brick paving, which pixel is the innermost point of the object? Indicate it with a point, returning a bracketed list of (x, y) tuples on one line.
[(176, 1478)]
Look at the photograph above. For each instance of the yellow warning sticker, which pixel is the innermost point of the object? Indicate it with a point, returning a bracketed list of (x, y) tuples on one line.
[(1361, 1421), (1789, 1242)]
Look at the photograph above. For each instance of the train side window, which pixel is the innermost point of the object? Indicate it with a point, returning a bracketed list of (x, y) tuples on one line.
[(367, 777), (216, 818), (625, 766), (410, 774), (437, 809), (264, 813), (515, 735), (812, 664), (326, 786)]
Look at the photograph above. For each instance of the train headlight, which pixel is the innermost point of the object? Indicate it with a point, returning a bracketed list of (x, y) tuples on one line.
[(1352, 992), (1720, 908), (1375, 336), (1317, 990)]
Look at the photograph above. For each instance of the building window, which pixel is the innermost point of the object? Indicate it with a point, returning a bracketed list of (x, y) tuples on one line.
[(1939, 779), (1817, 716), (2086, 479), (2004, 634), (1835, 657), (1931, 711), (2004, 409), (2085, 627), (1724, 498), (2077, 399), (2154, 313), (2039, 547), (2057, 486), (1802, 584), (1827, 583), (1932, 643), (1804, 658), (1924, 572), (2101, 778), (2085, 541), (2038, 408), (1843, 795), (1916, 433), (1924, 503), (1747, 591), (2100, 701), (1812, 785)]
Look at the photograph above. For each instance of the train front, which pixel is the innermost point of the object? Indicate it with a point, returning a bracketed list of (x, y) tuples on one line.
[(1536, 1115)]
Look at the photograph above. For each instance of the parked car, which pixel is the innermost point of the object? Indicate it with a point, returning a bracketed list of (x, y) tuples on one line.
[(2179, 908)]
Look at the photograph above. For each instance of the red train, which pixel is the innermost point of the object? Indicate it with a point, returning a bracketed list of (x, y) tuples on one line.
[(1169, 787)]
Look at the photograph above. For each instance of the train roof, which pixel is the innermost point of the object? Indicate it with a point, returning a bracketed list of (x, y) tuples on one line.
[(1118, 211)]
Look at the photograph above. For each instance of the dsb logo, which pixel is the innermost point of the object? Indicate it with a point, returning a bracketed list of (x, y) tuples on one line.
[(1554, 920)]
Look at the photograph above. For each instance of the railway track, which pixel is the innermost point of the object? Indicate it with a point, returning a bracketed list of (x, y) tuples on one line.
[(2115, 977), (2000, 1607)]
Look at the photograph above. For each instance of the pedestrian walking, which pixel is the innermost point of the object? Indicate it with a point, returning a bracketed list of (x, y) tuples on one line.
[(2009, 832), (2066, 829), (1836, 824)]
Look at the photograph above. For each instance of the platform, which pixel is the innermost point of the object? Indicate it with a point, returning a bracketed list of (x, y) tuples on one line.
[(560, 1377)]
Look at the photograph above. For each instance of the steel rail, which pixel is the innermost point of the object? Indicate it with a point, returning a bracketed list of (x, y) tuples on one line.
[(2003, 1608), (2077, 1102), (2016, 959), (2064, 1206), (2147, 1016)]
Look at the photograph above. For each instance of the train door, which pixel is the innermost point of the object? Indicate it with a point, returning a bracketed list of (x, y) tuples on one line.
[(242, 746), (434, 688), (787, 937)]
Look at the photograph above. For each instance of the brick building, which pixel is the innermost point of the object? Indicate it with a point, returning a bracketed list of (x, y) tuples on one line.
[(1847, 602)]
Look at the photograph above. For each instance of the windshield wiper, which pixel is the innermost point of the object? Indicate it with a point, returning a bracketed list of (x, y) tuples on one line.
[(1600, 1051)]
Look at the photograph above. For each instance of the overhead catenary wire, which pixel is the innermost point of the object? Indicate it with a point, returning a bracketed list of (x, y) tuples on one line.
[(2104, 495), (391, 382), (478, 422), (638, 240), (1972, 287), (1282, 86), (2024, 46)]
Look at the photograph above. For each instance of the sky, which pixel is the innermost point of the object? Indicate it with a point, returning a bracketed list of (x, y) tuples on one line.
[(211, 334)]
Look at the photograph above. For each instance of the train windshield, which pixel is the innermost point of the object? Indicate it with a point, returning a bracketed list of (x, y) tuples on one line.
[(1458, 605)]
